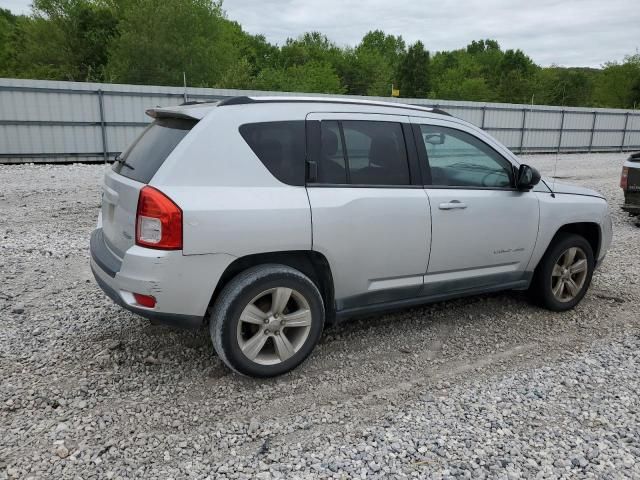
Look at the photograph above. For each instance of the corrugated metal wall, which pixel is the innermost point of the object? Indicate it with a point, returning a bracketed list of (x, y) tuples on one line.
[(47, 121)]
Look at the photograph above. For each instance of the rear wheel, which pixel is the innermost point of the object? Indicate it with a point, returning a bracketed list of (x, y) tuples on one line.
[(267, 320), (564, 273)]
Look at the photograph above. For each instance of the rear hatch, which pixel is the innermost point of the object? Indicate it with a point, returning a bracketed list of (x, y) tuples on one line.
[(133, 170)]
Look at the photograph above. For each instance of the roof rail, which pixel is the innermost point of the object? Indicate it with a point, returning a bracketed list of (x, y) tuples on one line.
[(197, 102), (245, 100), (440, 111)]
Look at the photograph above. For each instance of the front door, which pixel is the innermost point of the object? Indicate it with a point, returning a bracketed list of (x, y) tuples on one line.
[(483, 229)]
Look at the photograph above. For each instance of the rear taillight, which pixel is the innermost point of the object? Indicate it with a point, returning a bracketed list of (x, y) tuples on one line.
[(158, 221), (624, 177)]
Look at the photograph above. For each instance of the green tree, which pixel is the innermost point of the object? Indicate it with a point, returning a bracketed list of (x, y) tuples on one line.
[(473, 73), (309, 47), (413, 72), (487, 57), (517, 74), (616, 86), (635, 92), (370, 68), (482, 46), (455, 84), (151, 42), (313, 77), (7, 31), (64, 40), (160, 40), (564, 86), (255, 54), (258, 52), (239, 75)]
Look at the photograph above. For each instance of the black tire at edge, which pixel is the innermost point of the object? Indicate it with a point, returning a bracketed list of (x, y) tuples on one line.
[(541, 285), (237, 294)]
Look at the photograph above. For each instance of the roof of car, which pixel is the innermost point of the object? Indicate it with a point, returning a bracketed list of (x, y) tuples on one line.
[(198, 110)]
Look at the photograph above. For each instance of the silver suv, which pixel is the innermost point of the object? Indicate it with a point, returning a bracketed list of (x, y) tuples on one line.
[(269, 217)]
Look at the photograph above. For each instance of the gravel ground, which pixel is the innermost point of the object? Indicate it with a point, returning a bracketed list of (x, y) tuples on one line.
[(484, 387)]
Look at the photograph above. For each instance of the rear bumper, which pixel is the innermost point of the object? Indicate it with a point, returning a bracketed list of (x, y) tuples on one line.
[(170, 319), (631, 207), (181, 284), (631, 201)]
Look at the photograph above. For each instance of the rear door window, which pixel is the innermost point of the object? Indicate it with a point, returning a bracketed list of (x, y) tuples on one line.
[(331, 166), (145, 156), (280, 146), (362, 152), (376, 153)]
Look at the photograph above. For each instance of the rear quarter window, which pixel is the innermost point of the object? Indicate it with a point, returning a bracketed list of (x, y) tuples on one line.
[(147, 153), (280, 146)]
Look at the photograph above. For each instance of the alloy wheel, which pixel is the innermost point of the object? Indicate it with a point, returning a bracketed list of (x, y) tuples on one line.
[(274, 326), (569, 274)]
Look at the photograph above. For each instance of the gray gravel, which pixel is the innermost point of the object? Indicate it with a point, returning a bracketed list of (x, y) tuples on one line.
[(484, 387)]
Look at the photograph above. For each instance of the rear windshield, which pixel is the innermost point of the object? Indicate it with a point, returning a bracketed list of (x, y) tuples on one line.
[(144, 157)]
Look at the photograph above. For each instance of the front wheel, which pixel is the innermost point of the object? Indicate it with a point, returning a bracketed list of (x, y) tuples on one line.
[(564, 273), (267, 320)]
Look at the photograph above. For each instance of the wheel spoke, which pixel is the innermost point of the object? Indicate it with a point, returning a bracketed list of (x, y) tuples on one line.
[(301, 318), (572, 287), (252, 314), (279, 299), (569, 256), (254, 345), (557, 271), (283, 346), (557, 289), (275, 335), (579, 266)]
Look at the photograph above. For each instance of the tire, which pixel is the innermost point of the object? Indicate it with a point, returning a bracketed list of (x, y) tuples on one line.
[(545, 287), (252, 295)]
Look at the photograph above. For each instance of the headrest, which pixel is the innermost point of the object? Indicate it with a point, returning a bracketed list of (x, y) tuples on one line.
[(383, 150), (329, 142)]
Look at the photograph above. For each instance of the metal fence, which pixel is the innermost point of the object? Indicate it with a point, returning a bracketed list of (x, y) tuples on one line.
[(47, 121)]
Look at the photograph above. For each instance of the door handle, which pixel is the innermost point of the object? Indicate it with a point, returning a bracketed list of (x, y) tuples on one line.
[(452, 205)]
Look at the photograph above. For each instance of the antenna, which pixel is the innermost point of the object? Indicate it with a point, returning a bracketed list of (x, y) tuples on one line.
[(525, 132), (555, 165), (555, 169), (184, 80)]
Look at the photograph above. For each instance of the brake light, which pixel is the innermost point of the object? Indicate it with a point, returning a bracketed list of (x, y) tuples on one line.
[(158, 221), (624, 178)]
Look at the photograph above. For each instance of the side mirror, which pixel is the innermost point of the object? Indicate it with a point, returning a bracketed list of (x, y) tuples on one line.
[(434, 138), (528, 177)]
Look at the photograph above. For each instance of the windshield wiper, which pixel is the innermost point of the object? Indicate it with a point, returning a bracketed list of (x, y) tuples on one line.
[(123, 162)]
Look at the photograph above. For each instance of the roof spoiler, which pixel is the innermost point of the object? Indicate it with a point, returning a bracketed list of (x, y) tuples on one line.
[(169, 113)]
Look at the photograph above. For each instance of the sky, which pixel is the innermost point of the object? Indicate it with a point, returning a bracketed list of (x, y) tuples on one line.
[(564, 32)]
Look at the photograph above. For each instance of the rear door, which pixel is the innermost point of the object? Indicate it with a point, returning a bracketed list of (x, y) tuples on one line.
[(135, 168), (484, 229), (370, 214)]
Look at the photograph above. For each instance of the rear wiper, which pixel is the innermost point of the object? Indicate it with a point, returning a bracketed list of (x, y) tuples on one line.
[(123, 162)]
